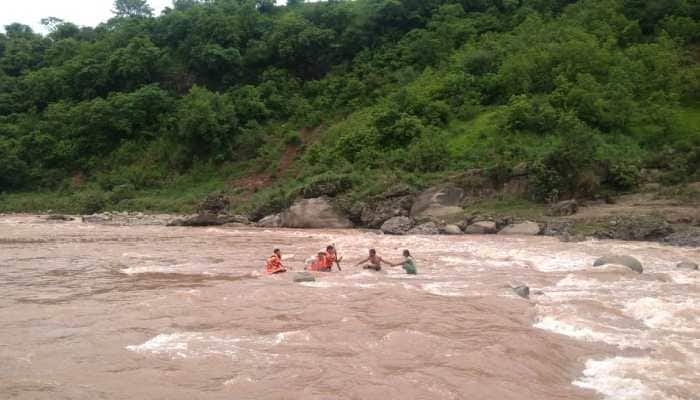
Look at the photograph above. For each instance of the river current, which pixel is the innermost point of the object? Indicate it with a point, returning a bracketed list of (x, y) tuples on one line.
[(152, 312)]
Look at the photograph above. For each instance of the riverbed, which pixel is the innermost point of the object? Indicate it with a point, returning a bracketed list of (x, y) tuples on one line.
[(151, 312)]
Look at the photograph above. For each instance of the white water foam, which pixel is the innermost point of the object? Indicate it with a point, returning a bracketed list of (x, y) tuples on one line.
[(196, 344), (674, 314), (616, 379), (578, 329), (447, 289)]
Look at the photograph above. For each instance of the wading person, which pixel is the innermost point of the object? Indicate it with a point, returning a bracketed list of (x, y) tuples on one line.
[(374, 262), (320, 264), (408, 264), (274, 263), (332, 258)]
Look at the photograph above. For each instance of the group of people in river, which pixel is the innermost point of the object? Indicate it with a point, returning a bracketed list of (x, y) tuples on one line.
[(325, 260)]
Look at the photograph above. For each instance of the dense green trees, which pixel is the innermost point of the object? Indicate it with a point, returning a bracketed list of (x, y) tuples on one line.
[(585, 92)]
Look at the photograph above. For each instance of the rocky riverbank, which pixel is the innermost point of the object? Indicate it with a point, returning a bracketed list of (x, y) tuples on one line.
[(437, 212)]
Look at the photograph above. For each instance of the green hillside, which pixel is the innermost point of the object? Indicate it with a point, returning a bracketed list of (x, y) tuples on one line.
[(263, 102)]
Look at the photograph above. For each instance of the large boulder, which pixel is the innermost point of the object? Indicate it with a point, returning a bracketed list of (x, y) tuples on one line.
[(687, 265), (563, 208), (271, 221), (315, 213), (451, 230), (482, 228), (373, 216), (398, 225), (627, 261), (428, 228), (526, 228), (439, 203)]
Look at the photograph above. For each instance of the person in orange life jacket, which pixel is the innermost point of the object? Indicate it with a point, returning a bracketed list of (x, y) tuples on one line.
[(332, 257), (274, 263), (321, 263)]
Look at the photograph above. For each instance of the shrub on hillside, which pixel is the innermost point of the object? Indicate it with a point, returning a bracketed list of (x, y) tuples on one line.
[(327, 185)]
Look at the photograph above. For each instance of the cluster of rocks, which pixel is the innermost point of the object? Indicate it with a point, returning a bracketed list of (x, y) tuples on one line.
[(127, 218), (398, 212), (411, 226), (613, 260), (635, 265)]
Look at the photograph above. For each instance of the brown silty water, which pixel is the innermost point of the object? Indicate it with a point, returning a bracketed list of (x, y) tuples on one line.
[(134, 312)]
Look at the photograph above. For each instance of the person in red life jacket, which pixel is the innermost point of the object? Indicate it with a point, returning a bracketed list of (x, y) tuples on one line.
[(332, 258), (321, 263), (274, 263)]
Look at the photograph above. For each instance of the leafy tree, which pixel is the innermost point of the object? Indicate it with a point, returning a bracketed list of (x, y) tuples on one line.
[(132, 8)]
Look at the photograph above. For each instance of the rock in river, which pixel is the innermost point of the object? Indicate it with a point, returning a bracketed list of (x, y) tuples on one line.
[(304, 277), (522, 291), (627, 261), (687, 265)]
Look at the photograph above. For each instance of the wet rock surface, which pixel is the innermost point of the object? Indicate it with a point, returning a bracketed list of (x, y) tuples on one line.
[(318, 213), (398, 225), (627, 261)]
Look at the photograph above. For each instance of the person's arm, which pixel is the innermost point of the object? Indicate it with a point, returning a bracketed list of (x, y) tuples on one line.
[(362, 262)]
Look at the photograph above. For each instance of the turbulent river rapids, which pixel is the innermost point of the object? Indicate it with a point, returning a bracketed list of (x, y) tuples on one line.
[(151, 312)]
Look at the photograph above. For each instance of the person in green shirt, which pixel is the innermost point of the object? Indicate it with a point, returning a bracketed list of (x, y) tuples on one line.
[(408, 264)]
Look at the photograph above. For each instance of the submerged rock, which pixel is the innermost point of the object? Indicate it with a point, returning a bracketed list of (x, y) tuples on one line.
[(522, 291), (304, 277), (398, 225), (627, 261), (569, 238), (482, 228), (525, 228), (688, 265)]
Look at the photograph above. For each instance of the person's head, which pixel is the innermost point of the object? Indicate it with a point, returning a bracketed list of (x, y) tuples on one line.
[(406, 253), (372, 252), (278, 252), (330, 249)]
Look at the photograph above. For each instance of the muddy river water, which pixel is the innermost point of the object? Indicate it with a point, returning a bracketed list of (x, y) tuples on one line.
[(151, 312)]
